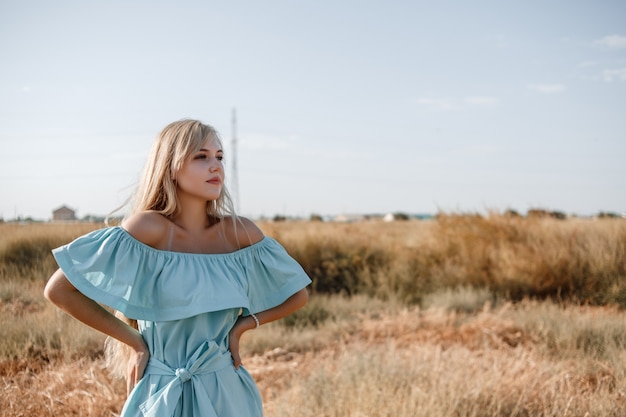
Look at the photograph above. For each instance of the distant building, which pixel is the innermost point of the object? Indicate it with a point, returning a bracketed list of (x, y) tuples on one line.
[(63, 214), (349, 218)]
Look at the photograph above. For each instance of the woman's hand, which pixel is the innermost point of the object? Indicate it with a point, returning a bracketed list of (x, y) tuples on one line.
[(137, 363), (64, 295), (241, 325), (246, 323)]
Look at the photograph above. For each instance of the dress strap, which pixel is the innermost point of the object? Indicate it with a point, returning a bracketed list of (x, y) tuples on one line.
[(245, 229), (171, 238)]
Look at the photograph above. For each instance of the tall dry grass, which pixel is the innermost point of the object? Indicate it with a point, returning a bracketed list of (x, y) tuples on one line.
[(377, 358), (31, 328), (25, 248), (525, 359), (463, 316), (467, 260), (577, 260)]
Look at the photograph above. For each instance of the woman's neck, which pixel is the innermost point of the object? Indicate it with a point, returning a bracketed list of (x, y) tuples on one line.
[(193, 218)]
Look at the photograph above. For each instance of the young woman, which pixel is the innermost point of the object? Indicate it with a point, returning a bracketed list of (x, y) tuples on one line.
[(190, 276)]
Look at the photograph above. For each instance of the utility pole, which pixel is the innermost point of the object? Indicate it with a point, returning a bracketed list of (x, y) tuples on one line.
[(233, 174)]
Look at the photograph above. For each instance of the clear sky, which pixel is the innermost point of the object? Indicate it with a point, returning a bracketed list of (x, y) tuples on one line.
[(342, 106)]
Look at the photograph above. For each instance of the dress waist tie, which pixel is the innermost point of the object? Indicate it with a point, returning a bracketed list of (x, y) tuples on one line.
[(206, 359)]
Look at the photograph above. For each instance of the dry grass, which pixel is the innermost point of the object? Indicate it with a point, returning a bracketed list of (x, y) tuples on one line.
[(579, 260), (527, 359), (25, 249), (443, 363), (463, 316), (80, 388)]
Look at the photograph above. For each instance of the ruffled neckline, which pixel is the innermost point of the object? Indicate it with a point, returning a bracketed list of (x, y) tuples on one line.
[(149, 248), (112, 267)]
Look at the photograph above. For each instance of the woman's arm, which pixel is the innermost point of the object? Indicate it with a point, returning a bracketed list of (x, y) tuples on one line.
[(64, 295), (243, 324)]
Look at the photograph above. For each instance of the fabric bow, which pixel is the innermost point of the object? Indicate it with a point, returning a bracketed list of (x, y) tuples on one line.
[(206, 359)]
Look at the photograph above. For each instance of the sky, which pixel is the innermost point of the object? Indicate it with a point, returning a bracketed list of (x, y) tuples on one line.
[(342, 107)]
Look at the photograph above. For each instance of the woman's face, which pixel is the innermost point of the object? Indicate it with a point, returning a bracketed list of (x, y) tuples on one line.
[(202, 174)]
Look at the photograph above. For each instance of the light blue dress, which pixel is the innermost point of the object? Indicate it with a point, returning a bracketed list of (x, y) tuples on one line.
[(185, 305)]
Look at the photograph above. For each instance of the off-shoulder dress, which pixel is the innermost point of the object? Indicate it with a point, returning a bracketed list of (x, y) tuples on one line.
[(185, 305)]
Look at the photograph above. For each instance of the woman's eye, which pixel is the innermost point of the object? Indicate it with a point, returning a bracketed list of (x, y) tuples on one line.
[(202, 156)]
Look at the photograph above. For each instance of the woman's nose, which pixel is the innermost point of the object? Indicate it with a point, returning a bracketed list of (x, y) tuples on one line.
[(215, 165)]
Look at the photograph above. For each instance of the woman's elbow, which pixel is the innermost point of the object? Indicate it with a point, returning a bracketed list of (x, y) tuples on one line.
[(56, 287), (302, 297)]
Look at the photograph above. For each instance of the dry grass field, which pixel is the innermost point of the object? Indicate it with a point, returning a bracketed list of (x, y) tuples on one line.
[(462, 316)]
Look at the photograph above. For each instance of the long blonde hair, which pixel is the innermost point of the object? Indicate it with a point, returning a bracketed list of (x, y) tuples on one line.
[(157, 192), (172, 147)]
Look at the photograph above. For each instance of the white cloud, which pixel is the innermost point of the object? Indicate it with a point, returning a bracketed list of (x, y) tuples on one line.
[(611, 75), (612, 41), (547, 88)]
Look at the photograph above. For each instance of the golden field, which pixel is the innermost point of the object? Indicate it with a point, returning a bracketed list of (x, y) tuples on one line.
[(460, 316)]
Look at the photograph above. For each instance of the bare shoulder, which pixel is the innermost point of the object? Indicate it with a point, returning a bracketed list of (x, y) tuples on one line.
[(243, 230), (148, 227)]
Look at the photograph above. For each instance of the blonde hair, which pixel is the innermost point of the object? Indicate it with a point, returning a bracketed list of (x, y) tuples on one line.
[(157, 192), (116, 353), (172, 147)]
